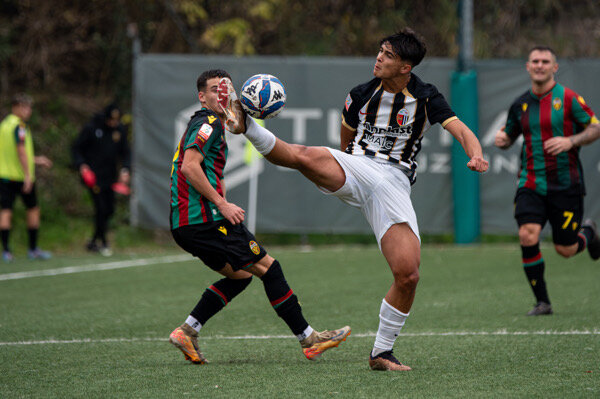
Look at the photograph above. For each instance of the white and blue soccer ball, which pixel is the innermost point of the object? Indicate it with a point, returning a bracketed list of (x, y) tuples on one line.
[(263, 96)]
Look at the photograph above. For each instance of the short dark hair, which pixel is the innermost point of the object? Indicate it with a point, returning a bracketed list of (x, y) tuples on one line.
[(542, 48), (408, 45), (21, 98), (211, 73), (111, 110)]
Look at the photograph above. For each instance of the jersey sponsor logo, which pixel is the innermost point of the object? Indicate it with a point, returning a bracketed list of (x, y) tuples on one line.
[(382, 143), (556, 103), (222, 229), (211, 119), (204, 132), (402, 117), (348, 102), (254, 247), (524, 107), (402, 131)]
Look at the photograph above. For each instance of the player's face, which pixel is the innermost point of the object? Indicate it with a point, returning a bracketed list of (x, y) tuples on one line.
[(541, 66), (208, 97), (23, 111), (388, 64)]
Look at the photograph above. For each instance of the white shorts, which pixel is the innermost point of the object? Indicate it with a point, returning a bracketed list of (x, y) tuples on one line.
[(380, 191)]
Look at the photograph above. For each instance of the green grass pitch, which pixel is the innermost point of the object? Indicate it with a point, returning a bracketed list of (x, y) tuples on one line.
[(100, 334)]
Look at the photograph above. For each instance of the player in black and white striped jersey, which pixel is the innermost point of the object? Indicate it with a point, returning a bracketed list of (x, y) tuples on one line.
[(384, 122)]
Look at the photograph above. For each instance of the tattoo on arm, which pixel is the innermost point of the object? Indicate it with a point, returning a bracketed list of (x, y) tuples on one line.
[(589, 135)]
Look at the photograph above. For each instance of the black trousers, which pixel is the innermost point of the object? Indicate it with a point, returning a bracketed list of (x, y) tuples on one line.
[(104, 208)]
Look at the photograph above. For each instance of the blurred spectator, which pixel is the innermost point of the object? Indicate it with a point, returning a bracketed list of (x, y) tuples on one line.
[(97, 153), (17, 175)]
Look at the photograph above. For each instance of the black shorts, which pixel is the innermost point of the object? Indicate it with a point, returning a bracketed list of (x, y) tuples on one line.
[(563, 210), (9, 190), (219, 243)]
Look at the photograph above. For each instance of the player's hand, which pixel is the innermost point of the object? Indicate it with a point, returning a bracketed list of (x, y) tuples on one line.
[(502, 140), (556, 145), (43, 161), (233, 213), (478, 164), (27, 185)]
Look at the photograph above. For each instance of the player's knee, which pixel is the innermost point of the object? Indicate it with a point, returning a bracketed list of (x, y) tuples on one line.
[(565, 251), (406, 280), (528, 236)]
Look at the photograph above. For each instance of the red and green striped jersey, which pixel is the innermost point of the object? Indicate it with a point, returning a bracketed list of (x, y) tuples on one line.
[(205, 133), (559, 112)]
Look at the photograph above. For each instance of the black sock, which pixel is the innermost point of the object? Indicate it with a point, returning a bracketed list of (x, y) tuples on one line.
[(5, 234), (217, 296), (283, 299), (33, 236), (533, 264), (584, 236)]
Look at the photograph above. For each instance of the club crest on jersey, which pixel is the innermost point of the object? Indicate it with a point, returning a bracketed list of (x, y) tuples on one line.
[(223, 230), (348, 102), (402, 117), (524, 107), (254, 247), (204, 132), (116, 136), (556, 103)]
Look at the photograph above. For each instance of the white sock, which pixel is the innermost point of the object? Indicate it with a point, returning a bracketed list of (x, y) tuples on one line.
[(391, 321), (305, 334), (192, 322), (262, 139)]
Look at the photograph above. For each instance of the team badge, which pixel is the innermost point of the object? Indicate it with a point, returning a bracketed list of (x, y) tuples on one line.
[(254, 247), (402, 117), (524, 107), (211, 119), (348, 102), (204, 132), (116, 136), (556, 103), (223, 230), (581, 100)]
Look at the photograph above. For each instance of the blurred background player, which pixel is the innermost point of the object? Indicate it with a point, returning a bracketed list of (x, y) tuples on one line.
[(382, 127), (554, 121), (98, 152), (17, 175), (204, 224)]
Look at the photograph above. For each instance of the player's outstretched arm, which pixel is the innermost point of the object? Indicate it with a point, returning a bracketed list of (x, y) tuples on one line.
[(192, 170), (556, 145), (470, 144)]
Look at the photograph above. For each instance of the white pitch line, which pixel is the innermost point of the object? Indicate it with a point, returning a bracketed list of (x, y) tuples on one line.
[(259, 337), (96, 267)]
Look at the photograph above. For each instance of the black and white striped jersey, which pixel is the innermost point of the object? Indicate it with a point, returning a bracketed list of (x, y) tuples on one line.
[(390, 126)]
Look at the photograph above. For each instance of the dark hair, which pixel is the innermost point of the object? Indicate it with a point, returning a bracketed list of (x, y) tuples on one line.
[(211, 73), (542, 48), (408, 45), (21, 98)]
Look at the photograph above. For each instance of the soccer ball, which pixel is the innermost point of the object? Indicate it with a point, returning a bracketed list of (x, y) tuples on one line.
[(263, 96)]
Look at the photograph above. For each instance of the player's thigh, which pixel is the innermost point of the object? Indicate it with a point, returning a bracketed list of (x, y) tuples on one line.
[(565, 215), (8, 193), (402, 250), (530, 208), (320, 167), (30, 198)]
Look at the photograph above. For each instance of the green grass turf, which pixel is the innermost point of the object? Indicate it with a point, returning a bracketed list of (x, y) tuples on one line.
[(462, 289)]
